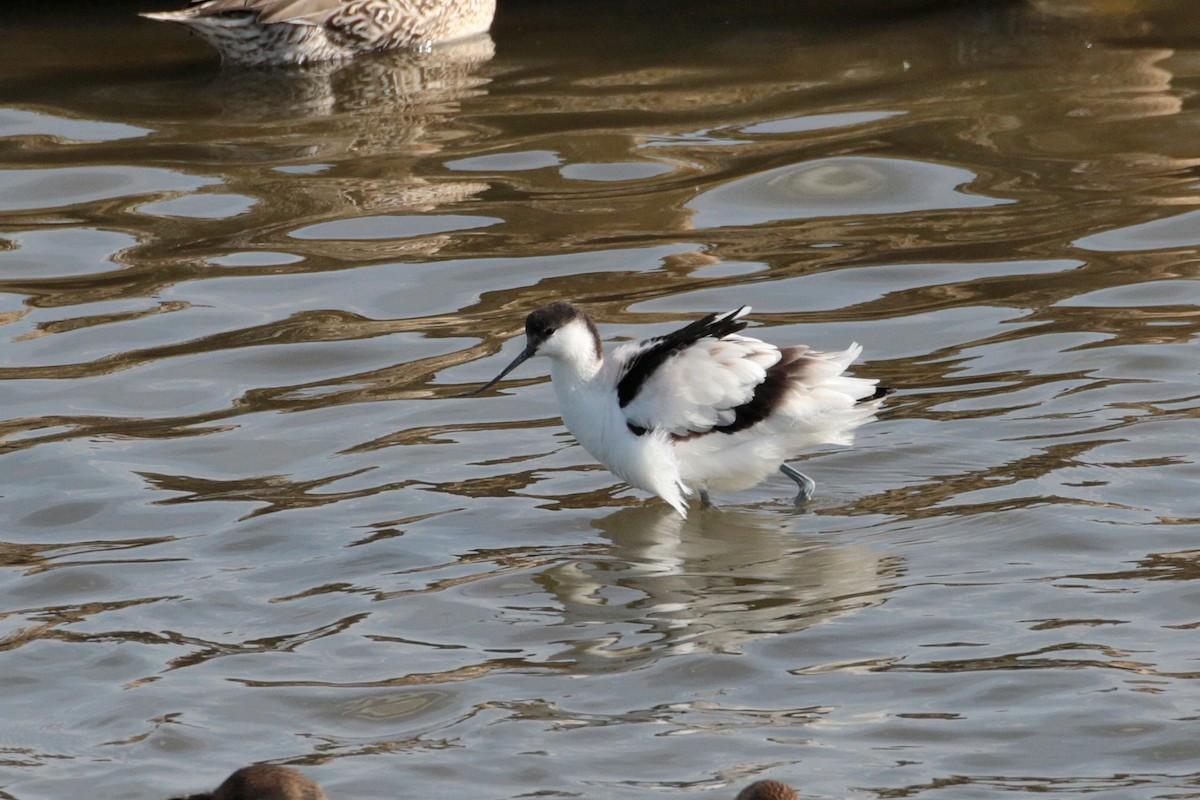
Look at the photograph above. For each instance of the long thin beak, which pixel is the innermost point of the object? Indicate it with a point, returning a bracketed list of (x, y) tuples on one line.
[(525, 354)]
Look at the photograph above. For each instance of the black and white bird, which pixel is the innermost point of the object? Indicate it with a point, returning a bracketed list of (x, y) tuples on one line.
[(701, 410)]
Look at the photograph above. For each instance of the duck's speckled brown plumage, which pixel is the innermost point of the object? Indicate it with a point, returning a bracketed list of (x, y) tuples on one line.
[(267, 32)]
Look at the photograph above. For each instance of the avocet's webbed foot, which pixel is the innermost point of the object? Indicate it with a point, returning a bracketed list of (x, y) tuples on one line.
[(705, 499), (807, 485)]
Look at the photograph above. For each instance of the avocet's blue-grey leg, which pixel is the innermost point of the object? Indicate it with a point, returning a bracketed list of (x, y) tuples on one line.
[(704, 498), (807, 485)]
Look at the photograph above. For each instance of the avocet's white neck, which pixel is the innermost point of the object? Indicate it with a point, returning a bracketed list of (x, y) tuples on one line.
[(589, 409), (572, 374), (575, 356)]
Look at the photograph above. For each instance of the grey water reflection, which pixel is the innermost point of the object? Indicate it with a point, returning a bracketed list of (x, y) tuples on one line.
[(726, 579), (246, 515)]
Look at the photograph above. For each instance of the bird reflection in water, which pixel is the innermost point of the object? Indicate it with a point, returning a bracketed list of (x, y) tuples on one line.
[(712, 583)]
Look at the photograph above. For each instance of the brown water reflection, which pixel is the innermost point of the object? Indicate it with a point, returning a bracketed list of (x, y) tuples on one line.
[(248, 516)]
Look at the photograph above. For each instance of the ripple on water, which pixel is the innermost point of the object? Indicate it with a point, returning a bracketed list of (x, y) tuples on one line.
[(211, 205), (519, 161), (61, 252), (1179, 230), (817, 122), (1152, 293), (392, 227), (41, 188), (615, 172), (830, 187), (24, 122)]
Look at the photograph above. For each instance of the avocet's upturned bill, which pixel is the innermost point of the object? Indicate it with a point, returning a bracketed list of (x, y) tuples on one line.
[(700, 410)]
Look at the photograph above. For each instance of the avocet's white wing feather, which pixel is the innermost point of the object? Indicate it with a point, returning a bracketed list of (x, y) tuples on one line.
[(693, 380)]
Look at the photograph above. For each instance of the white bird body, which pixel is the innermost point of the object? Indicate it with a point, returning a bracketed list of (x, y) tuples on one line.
[(698, 410)]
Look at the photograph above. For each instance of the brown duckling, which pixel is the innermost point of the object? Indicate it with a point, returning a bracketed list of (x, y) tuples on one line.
[(768, 790), (264, 782)]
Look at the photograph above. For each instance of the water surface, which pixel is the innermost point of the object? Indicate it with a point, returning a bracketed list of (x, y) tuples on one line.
[(247, 516)]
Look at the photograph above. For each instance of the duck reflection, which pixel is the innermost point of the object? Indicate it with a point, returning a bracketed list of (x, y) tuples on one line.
[(379, 84), (332, 141), (296, 162), (720, 579)]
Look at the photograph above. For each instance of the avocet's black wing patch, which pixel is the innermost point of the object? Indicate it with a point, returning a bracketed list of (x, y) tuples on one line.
[(653, 352), (706, 377), (879, 393), (769, 394)]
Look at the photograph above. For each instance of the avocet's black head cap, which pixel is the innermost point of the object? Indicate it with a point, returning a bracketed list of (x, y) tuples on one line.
[(540, 325)]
